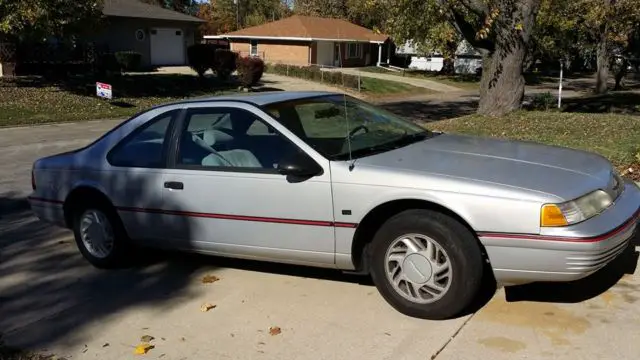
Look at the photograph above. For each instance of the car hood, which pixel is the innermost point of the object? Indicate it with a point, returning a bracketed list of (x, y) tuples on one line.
[(557, 171)]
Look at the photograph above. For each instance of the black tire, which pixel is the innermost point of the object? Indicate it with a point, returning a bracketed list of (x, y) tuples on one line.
[(455, 239), (122, 250)]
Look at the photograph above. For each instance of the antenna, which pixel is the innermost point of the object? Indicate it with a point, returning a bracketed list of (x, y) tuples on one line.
[(344, 102)]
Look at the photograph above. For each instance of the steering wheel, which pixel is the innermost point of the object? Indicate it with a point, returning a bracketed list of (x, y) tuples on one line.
[(356, 129)]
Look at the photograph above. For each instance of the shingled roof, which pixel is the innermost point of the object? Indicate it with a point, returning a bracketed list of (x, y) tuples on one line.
[(306, 28), (138, 9)]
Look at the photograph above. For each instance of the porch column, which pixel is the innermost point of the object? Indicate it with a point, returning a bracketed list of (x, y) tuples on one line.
[(389, 53), (379, 54)]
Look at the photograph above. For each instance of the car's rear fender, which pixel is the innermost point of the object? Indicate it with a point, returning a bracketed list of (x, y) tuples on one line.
[(83, 191)]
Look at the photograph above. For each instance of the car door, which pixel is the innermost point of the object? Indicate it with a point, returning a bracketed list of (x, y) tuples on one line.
[(134, 179), (227, 197)]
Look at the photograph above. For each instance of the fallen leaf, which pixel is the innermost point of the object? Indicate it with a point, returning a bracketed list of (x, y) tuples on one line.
[(387, 334), (208, 279), (61, 242), (143, 349), (163, 339), (183, 339), (105, 345), (85, 350), (274, 330), (146, 338), (162, 355), (206, 307), (261, 343), (145, 328)]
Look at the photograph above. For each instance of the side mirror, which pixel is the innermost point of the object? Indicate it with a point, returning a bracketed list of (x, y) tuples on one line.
[(299, 166)]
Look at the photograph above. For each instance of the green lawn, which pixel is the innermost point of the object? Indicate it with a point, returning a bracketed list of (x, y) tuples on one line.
[(379, 87), (462, 81), (616, 137), (34, 100), (466, 82)]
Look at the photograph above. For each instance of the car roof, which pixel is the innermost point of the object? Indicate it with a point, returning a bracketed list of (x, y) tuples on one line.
[(263, 98)]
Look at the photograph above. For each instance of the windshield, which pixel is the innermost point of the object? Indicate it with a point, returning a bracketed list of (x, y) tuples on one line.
[(336, 125)]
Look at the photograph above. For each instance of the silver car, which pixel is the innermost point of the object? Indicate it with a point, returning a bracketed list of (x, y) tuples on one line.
[(326, 180)]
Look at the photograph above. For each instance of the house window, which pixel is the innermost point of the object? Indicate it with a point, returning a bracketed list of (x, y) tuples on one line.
[(354, 50), (253, 49)]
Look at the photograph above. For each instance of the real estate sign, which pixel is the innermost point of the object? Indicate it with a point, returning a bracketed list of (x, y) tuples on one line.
[(104, 90)]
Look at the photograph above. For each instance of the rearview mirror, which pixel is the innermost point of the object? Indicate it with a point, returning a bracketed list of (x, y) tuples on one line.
[(299, 166)]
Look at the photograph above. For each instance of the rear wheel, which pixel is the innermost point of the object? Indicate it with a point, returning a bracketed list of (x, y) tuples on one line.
[(426, 264), (100, 236)]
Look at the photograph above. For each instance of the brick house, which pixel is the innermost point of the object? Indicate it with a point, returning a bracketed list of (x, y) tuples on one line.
[(306, 40)]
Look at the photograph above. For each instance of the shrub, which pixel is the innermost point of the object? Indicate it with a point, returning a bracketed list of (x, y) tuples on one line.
[(543, 101), (250, 70), (224, 63), (201, 57), (107, 63), (314, 73), (128, 60)]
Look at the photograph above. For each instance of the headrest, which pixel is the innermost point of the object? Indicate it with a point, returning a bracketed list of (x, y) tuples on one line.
[(213, 136)]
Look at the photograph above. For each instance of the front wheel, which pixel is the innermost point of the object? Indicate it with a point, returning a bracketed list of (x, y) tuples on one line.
[(426, 264)]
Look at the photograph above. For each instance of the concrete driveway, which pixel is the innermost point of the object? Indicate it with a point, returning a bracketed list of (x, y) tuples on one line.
[(52, 301)]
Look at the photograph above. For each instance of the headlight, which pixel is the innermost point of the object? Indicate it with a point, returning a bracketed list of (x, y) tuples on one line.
[(575, 211)]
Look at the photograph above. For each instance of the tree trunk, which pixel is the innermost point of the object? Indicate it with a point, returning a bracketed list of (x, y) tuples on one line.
[(449, 55), (620, 74), (502, 83), (448, 66), (602, 74)]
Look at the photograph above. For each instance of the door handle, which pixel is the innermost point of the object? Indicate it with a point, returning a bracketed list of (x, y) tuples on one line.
[(174, 185)]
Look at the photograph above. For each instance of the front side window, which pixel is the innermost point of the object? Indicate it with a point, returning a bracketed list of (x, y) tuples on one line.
[(144, 147), (340, 127), (231, 139)]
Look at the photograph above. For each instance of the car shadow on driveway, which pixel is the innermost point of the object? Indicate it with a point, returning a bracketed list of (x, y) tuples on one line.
[(49, 293), (583, 289)]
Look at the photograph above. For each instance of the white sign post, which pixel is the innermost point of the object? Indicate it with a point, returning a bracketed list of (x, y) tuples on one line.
[(104, 90), (560, 85)]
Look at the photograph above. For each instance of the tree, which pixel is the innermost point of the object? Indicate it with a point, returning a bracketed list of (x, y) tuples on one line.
[(609, 24), (555, 37), (429, 34), (323, 8), (184, 6), (223, 16), (499, 29), (36, 18), (220, 17)]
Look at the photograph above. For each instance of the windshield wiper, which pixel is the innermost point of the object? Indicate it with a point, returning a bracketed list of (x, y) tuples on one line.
[(392, 145)]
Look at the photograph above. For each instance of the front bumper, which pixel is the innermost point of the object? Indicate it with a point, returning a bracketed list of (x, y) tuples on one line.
[(565, 254)]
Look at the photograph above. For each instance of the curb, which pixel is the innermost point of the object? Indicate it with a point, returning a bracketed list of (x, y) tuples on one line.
[(56, 123)]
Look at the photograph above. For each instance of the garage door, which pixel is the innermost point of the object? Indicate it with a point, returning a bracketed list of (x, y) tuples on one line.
[(167, 46)]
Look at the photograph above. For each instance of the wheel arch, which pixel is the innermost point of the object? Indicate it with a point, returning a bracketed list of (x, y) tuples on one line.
[(81, 195), (374, 219)]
